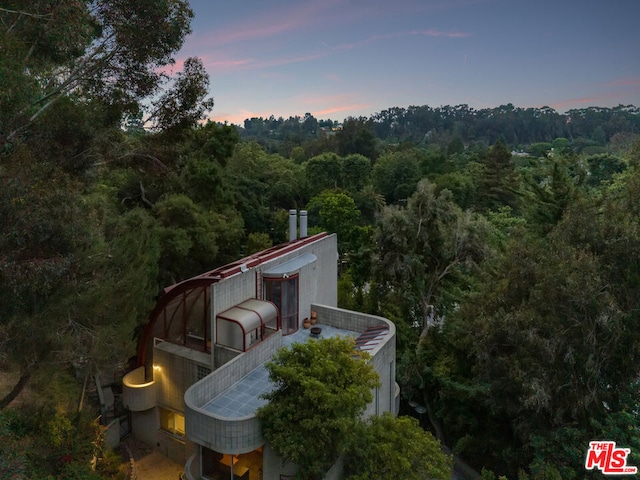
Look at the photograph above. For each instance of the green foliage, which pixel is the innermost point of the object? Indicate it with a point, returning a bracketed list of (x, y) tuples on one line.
[(111, 51), (540, 150), (461, 185), (46, 223), (194, 238), (323, 173), (328, 171), (549, 187), (395, 175), (184, 104), (321, 390), (521, 365), (422, 248), (356, 137), (554, 341), (369, 202), (505, 225), (119, 274), (395, 447), (603, 167), (356, 171), (263, 187), (46, 437), (336, 213), (346, 292), (498, 184), (561, 146), (257, 242)]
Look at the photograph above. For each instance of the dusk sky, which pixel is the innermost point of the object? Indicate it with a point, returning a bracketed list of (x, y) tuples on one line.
[(340, 58)]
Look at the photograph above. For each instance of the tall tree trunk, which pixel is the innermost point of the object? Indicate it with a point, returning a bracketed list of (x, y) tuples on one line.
[(15, 391)]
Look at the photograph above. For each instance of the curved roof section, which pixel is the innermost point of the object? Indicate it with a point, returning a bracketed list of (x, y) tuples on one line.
[(180, 315), (267, 311), (251, 314), (291, 267)]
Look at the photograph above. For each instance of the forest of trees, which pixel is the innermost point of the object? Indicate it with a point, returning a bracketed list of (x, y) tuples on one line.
[(504, 243)]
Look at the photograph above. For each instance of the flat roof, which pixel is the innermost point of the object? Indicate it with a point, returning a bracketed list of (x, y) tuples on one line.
[(243, 398)]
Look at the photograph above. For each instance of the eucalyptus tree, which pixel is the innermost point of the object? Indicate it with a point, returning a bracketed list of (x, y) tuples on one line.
[(73, 255), (424, 257), (545, 351), (110, 50)]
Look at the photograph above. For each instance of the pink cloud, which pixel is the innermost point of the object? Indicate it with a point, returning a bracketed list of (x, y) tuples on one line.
[(223, 64), (268, 23), (376, 38), (252, 32), (319, 106), (177, 66), (229, 64), (308, 16), (592, 100), (235, 118), (624, 82), (342, 108), (562, 104), (303, 16), (314, 101), (440, 33), (329, 104)]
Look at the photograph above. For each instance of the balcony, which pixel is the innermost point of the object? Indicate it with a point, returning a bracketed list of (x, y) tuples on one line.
[(224, 430), (138, 395)]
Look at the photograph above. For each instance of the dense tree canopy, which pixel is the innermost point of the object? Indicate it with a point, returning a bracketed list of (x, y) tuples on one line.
[(108, 50), (321, 390), (395, 447), (502, 241)]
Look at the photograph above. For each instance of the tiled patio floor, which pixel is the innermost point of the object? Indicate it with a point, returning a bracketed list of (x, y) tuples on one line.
[(244, 397)]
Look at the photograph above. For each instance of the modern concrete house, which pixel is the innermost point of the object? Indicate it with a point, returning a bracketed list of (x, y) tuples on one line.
[(201, 359)]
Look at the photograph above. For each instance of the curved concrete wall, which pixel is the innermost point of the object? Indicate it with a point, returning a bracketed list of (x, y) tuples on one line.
[(138, 395), (226, 435)]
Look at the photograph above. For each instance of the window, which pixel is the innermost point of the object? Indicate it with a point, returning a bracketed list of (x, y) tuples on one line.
[(283, 292), (172, 422)]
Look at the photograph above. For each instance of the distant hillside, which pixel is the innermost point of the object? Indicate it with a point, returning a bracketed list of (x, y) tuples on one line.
[(423, 124)]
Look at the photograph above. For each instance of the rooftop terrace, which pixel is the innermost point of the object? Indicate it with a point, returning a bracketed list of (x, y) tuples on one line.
[(244, 397)]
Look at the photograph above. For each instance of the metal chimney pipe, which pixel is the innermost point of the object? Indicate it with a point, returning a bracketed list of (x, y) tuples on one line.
[(303, 223), (293, 222)]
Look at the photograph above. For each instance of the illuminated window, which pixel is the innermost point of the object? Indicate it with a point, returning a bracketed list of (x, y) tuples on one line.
[(172, 422)]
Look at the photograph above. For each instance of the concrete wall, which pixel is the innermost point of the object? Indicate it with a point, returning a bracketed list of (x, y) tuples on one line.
[(318, 280), (145, 426), (174, 371), (112, 434), (138, 395), (172, 447), (273, 465), (222, 355), (384, 354), (227, 435)]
